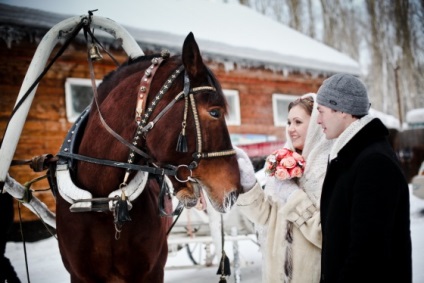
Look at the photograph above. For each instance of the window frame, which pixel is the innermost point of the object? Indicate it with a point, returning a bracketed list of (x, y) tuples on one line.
[(276, 97), (232, 94), (71, 113)]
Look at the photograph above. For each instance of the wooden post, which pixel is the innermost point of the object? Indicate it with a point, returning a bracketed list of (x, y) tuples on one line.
[(237, 271), (399, 101)]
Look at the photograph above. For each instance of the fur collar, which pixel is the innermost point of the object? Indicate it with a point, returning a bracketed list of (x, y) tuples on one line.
[(360, 133)]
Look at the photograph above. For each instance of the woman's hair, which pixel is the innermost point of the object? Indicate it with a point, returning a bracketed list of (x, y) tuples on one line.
[(306, 103)]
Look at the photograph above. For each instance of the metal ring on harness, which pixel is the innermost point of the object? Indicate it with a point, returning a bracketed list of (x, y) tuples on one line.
[(188, 178)]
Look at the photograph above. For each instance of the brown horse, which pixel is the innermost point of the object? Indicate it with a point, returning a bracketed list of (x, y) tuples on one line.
[(154, 117)]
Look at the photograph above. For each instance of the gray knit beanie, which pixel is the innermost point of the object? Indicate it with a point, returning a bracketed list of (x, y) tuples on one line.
[(345, 93)]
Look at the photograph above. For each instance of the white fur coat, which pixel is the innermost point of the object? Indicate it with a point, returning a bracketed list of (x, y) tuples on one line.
[(286, 215)]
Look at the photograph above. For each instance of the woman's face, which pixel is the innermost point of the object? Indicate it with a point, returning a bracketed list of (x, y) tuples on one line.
[(298, 122)]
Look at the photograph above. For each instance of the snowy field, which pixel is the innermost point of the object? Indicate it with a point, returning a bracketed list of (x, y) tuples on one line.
[(45, 266)]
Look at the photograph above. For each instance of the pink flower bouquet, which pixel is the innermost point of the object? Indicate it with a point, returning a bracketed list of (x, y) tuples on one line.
[(285, 164)]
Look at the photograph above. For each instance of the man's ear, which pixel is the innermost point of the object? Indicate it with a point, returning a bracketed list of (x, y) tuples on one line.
[(348, 118)]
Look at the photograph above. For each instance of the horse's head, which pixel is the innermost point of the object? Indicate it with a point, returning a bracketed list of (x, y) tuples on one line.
[(192, 135), (180, 112)]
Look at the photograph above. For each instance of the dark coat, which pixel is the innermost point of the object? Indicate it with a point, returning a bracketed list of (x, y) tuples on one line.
[(365, 214)]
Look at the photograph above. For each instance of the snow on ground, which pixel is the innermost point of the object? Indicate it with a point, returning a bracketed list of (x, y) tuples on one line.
[(45, 265)]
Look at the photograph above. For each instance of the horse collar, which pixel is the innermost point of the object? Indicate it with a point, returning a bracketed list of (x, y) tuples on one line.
[(69, 146)]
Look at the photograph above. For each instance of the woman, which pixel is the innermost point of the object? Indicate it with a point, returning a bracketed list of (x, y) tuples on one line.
[(288, 210)]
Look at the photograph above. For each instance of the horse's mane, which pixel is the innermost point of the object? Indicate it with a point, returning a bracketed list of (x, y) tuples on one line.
[(129, 62), (125, 70)]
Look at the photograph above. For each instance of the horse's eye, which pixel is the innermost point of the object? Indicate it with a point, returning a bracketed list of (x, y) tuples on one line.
[(216, 113)]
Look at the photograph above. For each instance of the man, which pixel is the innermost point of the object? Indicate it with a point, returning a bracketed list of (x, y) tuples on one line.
[(365, 197)]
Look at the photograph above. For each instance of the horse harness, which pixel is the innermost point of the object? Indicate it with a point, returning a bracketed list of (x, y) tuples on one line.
[(67, 154)]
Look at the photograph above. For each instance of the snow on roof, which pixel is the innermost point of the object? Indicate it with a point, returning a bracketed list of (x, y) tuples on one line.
[(389, 121), (415, 116), (230, 30)]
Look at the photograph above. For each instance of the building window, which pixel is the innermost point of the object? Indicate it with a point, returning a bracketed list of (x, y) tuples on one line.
[(233, 101), (78, 93), (280, 104)]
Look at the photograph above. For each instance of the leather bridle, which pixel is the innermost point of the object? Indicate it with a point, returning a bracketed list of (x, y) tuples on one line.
[(145, 123)]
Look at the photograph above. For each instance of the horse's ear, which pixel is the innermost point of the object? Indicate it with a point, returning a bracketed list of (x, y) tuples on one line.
[(192, 60)]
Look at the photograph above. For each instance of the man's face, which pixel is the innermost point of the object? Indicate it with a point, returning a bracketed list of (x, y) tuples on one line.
[(331, 121)]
